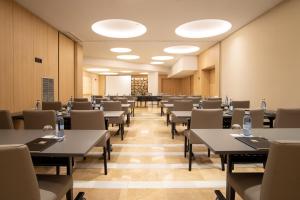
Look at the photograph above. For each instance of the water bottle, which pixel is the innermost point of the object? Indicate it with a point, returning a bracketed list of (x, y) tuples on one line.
[(38, 105), (247, 125), (230, 105), (69, 106), (226, 100), (263, 104), (60, 133)]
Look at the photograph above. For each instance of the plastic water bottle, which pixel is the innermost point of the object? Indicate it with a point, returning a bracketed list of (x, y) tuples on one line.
[(226, 100), (38, 105), (263, 104), (247, 125), (69, 106), (230, 105), (61, 133)]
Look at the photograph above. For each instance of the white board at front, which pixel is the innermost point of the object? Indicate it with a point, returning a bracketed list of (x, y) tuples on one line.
[(118, 85)]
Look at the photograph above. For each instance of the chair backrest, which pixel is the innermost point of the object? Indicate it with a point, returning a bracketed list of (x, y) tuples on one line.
[(87, 120), (183, 105), (287, 118), (207, 119), (6, 120), (122, 100), (211, 104), (172, 99), (37, 119), (237, 117), (81, 100), (112, 106), (82, 106), (241, 104), (214, 99), (281, 179), (257, 117), (195, 100), (57, 106), (18, 178)]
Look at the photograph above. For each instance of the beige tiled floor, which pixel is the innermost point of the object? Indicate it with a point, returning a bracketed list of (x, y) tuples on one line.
[(148, 164)]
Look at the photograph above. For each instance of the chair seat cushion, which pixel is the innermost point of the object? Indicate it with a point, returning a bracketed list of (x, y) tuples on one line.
[(247, 185), (56, 184)]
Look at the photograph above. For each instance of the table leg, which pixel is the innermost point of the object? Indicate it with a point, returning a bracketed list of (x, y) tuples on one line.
[(230, 194), (133, 111), (106, 124), (161, 111), (122, 131), (128, 119), (70, 166), (271, 122), (168, 119)]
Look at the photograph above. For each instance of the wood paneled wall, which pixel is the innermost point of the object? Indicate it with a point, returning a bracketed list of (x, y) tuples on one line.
[(23, 37), (78, 70), (92, 84), (175, 86)]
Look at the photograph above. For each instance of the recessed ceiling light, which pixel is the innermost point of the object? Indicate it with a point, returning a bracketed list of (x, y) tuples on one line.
[(97, 69), (128, 57), (156, 63), (120, 50), (144, 73), (203, 28), (108, 73), (126, 72), (181, 49), (119, 28), (162, 58)]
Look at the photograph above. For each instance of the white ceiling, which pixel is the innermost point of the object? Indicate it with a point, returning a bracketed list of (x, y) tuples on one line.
[(161, 17)]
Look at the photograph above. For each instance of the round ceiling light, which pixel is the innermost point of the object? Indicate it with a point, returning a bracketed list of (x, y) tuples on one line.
[(162, 57), (119, 28), (203, 28), (128, 57), (182, 49), (120, 50), (157, 63)]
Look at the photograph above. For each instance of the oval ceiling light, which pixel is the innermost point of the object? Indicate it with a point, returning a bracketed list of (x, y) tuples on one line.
[(108, 73), (144, 73), (128, 57), (126, 72), (162, 57), (203, 28), (181, 49), (157, 63), (97, 69), (120, 50), (119, 28)]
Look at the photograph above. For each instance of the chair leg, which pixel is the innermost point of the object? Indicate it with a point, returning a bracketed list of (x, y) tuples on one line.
[(190, 157), (108, 148), (185, 146), (208, 152), (105, 160), (57, 170), (69, 195)]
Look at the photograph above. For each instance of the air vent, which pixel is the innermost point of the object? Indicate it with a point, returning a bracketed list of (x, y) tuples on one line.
[(48, 89)]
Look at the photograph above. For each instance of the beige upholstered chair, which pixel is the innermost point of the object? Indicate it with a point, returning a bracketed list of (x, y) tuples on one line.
[(241, 104), (237, 117), (214, 99), (37, 119), (280, 180), (211, 104), (182, 105), (287, 118), (257, 117), (81, 100), (82, 106), (92, 120), (195, 100), (19, 181), (115, 106), (57, 106), (122, 100), (173, 99), (202, 119), (6, 120)]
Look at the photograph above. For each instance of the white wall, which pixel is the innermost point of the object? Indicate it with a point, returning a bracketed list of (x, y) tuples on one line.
[(118, 85), (153, 83), (262, 60)]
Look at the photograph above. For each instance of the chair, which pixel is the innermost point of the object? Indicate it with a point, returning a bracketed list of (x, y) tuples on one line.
[(287, 118), (257, 117), (237, 117), (37, 119), (195, 100), (6, 120), (82, 106), (211, 104), (214, 99), (115, 106), (57, 106), (241, 104), (92, 120), (81, 100), (122, 100), (173, 99), (202, 119), (280, 180), (19, 181), (182, 105)]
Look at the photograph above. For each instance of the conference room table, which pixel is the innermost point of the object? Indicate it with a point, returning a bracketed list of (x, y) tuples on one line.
[(227, 116), (224, 142), (170, 106)]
